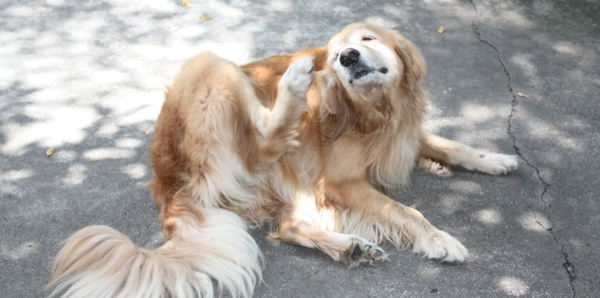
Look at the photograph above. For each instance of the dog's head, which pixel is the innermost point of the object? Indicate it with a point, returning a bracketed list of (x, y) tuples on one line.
[(366, 55), (370, 67)]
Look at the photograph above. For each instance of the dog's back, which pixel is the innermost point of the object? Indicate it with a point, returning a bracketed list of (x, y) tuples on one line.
[(193, 166)]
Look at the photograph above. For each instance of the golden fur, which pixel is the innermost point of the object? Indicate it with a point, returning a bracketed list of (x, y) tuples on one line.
[(305, 140)]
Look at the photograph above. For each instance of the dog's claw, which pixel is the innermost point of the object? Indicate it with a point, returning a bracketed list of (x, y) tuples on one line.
[(365, 253)]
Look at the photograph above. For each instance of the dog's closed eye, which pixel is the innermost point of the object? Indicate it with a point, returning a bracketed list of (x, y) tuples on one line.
[(368, 38)]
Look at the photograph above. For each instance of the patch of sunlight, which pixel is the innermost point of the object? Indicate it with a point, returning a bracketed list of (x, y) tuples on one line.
[(143, 114), (237, 51), (129, 143), (11, 190), (534, 221), (550, 131), (76, 174), (280, 5), (108, 153), (381, 21), (55, 125), (133, 7), (291, 37), (135, 171), (64, 155), (452, 202), (54, 2), (108, 130), (129, 101), (563, 47), (6, 77), (513, 286), (515, 18), (437, 2), (478, 112), (15, 175), (23, 11), (465, 186), (524, 62), (489, 216), (22, 251), (428, 272)]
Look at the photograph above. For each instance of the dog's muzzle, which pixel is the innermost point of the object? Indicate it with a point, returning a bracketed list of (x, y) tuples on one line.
[(350, 58)]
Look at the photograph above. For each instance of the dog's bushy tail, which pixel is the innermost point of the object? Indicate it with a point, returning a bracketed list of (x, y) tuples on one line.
[(99, 261)]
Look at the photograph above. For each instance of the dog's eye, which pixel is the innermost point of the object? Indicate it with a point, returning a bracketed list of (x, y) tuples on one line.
[(367, 38)]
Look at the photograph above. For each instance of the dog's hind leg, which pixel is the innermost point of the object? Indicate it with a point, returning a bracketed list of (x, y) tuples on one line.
[(350, 250), (453, 153)]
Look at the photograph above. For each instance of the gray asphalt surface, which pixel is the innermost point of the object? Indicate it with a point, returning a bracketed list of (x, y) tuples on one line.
[(518, 77)]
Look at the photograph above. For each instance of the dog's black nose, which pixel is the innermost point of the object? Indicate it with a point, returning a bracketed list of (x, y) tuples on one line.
[(349, 57)]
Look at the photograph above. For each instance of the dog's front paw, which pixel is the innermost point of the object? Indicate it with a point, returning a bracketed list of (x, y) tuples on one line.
[(495, 163), (362, 252), (439, 245), (298, 76)]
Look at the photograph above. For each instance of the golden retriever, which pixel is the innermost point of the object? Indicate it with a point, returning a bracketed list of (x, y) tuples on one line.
[(308, 141)]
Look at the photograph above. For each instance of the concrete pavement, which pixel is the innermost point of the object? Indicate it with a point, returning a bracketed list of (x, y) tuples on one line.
[(519, 77)]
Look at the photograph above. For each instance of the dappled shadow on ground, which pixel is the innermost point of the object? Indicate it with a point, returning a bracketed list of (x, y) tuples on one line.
[(86, 78), (551, 57)]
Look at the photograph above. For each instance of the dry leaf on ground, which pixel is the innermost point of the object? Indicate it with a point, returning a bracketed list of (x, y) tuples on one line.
[(441, 29)]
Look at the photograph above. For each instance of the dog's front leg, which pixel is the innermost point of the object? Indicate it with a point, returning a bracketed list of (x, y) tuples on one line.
[(451, 153), (366, 212)]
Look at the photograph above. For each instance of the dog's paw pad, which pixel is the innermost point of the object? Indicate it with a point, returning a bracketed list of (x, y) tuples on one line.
[(366, 253), (442, 247)]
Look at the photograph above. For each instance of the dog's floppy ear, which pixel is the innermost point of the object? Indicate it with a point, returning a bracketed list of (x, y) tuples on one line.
[(333, 95), (414, 63)]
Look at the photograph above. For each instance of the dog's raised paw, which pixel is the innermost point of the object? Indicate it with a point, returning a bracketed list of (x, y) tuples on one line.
[(298, 76), (440, 246), (363, 252)]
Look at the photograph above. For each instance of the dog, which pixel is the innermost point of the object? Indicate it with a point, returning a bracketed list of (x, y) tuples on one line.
[(309, 141)]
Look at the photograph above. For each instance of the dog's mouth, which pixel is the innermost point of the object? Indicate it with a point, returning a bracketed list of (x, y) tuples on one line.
[(357, 72), (352, 60)]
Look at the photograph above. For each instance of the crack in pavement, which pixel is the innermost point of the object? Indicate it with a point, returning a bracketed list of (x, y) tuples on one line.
[(317, 271), (567, 265), (308, 275)]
